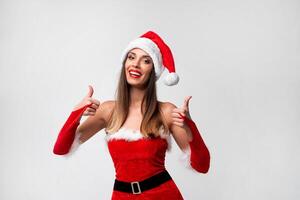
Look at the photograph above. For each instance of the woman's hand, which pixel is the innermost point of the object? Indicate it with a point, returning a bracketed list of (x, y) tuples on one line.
[(179, 114), (88, 100)]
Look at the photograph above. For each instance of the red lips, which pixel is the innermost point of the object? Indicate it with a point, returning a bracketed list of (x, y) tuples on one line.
[(132, 70)]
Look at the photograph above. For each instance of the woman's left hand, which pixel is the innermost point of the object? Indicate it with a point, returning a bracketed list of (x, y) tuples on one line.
[(178, 114)]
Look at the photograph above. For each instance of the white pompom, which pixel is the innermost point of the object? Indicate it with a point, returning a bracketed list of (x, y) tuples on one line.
[(171, 79)]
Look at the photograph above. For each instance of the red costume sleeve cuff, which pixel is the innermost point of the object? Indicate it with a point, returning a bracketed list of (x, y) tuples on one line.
[(197, 155), (66, 137)]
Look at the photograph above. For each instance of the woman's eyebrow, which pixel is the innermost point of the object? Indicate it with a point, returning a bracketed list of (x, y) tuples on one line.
[(142, 56)]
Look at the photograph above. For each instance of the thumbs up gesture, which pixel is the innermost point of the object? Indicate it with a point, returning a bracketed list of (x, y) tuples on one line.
[(88, 100), (179, 114)]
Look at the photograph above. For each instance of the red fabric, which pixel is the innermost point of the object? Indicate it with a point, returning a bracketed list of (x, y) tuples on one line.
[(66, 135), (138, 160), (200, 156), (166, 53)]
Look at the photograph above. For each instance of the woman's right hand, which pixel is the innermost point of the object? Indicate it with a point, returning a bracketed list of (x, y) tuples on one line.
[(88, 100)]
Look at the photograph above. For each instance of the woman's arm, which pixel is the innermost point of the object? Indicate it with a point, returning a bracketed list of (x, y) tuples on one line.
[(197, 152), (94, 124), (188, 137), (180, 134), (72, 134)]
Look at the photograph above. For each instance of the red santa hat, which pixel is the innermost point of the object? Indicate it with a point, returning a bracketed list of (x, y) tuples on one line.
[(160, 53)]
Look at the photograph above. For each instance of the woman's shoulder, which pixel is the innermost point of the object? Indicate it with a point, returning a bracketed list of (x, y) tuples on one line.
[(166, 106), (109, 104), (105, 109)]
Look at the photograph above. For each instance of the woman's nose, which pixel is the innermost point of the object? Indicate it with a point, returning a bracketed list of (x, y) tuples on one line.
[(136, 63)]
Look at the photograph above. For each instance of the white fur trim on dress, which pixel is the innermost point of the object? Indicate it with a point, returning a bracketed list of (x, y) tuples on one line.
[(151, 48), (124, 133), (134, 135), (75, 145)]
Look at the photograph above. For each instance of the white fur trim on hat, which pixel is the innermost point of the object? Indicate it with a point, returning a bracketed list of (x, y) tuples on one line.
[(149, 47), (171, 79)]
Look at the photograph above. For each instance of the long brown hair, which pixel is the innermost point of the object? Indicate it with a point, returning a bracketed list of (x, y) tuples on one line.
[(153, 119)]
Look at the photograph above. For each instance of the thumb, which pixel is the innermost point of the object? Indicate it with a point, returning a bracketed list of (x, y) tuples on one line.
[(186, 102), (91, 91)]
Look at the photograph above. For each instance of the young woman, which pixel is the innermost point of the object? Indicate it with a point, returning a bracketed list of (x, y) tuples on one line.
[(138, 127)]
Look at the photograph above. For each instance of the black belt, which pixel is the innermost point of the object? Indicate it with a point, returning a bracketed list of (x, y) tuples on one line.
[(139, 187)]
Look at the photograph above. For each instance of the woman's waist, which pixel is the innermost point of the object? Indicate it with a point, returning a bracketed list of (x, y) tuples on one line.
[(137, 171)]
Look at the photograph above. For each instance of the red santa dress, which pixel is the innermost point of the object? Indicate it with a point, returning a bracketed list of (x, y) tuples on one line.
[(136, 158)]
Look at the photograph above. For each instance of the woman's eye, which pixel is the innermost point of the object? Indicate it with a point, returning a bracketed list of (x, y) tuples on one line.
[(130, 57), (147, 61)]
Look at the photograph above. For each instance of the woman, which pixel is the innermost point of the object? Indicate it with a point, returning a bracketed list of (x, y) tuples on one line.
[(138, 127)]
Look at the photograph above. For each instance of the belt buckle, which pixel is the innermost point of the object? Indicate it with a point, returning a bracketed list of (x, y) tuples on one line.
[(138, 186)]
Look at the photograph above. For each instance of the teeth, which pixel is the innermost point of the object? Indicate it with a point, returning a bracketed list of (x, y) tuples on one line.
[(135, 73)]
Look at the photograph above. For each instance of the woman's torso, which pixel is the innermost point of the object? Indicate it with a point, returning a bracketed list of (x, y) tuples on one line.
[(136, 157)]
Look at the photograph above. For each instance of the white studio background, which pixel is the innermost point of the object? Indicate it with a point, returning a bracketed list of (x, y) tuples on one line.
[(238, 59)]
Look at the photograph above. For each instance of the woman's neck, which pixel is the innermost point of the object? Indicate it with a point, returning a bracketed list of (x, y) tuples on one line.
[(136, 97)]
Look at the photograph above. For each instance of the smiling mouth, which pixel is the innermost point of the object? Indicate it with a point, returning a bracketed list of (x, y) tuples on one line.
[(134, 74)]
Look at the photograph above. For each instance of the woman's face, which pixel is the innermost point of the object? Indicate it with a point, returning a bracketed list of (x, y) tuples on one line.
[(138, 67)]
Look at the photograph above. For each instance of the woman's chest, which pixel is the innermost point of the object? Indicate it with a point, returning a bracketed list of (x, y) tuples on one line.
[(142, 149), (133, 120)]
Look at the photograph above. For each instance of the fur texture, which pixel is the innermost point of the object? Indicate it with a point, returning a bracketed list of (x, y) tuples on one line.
[(134, 135)]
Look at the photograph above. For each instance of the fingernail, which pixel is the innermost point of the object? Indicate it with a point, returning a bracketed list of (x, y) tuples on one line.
[(181, 116)]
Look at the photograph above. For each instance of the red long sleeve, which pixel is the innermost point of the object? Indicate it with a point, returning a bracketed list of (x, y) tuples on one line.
[(199, 153), (66, 135)]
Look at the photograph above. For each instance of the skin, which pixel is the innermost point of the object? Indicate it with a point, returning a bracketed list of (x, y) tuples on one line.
[(137, 59)]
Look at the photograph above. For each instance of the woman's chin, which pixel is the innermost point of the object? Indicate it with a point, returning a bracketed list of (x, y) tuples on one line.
[(137, 84)]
